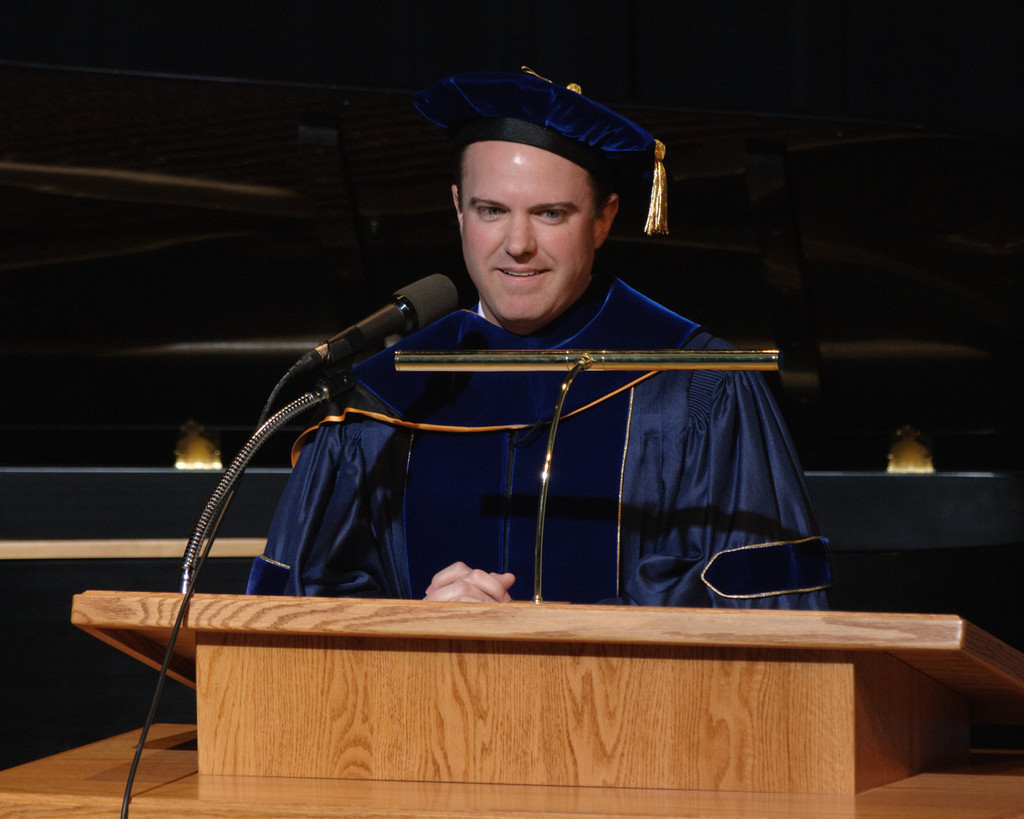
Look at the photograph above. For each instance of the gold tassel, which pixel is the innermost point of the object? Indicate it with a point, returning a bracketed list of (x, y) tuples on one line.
[(657, 214)]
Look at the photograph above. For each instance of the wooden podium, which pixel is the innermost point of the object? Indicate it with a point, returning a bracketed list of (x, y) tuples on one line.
[(560, 695)]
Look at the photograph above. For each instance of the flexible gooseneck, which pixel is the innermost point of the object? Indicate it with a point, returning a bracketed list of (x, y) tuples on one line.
[(213, 513)]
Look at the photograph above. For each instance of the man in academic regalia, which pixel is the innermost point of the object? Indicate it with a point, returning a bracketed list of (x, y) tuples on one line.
[(667, 488)]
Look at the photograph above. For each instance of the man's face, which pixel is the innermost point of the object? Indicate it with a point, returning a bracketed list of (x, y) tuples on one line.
[(529, 231)]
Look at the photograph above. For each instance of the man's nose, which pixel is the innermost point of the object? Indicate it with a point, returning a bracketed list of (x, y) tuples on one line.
[(519, 239)]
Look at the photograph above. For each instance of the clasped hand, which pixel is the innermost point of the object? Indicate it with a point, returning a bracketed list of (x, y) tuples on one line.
[(459, 583)]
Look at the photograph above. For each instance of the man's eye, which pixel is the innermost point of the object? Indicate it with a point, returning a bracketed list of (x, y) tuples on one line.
[(553, 215), (490, 212)]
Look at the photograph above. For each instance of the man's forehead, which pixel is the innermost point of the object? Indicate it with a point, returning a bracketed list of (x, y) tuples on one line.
[(507, 165)]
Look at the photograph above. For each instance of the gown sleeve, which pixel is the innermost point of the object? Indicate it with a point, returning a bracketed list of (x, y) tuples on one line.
[(720, 514), (333, 533)]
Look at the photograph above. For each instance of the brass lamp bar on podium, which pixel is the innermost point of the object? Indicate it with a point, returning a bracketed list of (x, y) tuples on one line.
[(557, 360), (574, 362)]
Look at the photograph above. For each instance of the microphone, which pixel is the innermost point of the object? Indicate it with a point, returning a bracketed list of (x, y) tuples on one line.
[(412, 307)]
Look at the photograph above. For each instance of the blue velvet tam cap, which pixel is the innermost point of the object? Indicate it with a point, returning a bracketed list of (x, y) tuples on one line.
[(528, 109)]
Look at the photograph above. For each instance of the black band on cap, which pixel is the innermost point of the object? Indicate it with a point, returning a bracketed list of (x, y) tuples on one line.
[(527, 133)]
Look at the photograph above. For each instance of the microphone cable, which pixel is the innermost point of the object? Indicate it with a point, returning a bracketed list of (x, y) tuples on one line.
[(273, 398), (205, 531)]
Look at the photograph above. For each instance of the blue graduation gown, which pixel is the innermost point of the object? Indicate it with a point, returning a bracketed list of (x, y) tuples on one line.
[(674, 488)]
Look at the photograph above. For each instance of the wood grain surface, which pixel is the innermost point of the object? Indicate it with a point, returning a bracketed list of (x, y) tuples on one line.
[(946, 647), (554, 694), (88, 783)]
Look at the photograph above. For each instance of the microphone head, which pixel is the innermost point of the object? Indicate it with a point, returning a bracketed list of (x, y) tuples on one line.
[(430, 298)]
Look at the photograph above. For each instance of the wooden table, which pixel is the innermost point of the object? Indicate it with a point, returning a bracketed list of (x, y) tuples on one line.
[(89, 782)]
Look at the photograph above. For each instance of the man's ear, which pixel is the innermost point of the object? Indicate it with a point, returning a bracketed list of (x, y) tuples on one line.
[(603, 222), (458, 205)]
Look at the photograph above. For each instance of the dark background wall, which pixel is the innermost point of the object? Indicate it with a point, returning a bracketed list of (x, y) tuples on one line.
[(945, 63)]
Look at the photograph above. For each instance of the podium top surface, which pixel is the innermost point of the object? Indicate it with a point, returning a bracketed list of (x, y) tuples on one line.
[(989, 673)]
